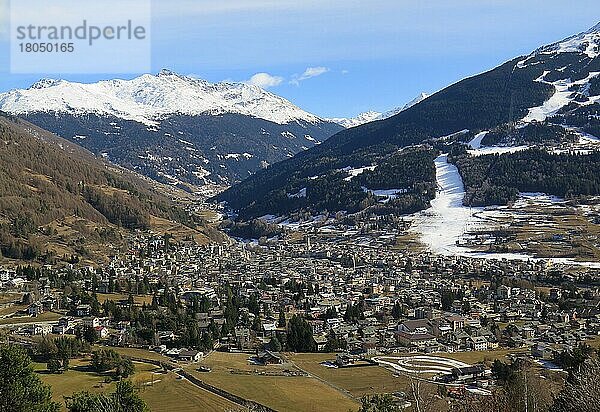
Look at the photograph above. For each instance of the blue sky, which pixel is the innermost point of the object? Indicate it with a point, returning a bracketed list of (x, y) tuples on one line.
[(341, 57)]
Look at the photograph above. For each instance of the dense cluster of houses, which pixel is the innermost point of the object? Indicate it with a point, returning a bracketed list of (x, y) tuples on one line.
[(408, 301)]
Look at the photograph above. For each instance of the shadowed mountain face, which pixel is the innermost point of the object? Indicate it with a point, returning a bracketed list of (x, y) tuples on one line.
[(557, 85)]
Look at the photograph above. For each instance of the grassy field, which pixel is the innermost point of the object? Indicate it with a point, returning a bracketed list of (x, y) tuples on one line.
[(77, 378), (278, 392), (162, 392), (357, 381), (172, 395), (9, 297), (12, 309), (44, 317), (138, 300), (178, 231), (139, 353)]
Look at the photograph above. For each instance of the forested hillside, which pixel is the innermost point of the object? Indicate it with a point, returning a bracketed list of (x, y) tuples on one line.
[(481, 102), (410, 172), (497, 179), (45, 180)]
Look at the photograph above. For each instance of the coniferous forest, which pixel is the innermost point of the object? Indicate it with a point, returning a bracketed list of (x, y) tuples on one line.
[(45, 179), (498, 179)]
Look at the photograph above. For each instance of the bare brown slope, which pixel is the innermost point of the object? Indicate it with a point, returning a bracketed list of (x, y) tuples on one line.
[(57, 199)]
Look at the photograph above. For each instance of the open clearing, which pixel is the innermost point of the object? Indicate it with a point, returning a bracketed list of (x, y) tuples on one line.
[(44, 317), (139, 300)]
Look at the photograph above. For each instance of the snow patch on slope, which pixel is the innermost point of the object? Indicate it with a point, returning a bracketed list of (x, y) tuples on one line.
[(561, 97)]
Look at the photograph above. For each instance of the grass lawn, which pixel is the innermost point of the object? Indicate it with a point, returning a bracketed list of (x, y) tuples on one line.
[(594, 342), (77, 378), (10, 297), (162, 392), (44, 317), (12, 309), (278, 392), (358, 381), (138, 353)]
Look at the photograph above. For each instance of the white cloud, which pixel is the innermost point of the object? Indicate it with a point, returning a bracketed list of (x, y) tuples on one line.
[(345, 71), (309, 73), (313, 72), (265, 80)]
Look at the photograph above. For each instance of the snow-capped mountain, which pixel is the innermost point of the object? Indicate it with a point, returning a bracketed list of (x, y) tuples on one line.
[(422, 96), (587, 42), (149, 98), (173, 128), (371, 115), (361, 118)]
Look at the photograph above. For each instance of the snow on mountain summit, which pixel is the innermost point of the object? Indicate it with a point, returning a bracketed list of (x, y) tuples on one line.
[(148, 98), (361, 118), (371, 115), (422, 96), (587, 42)]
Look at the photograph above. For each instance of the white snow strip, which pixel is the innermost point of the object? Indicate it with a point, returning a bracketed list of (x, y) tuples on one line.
[(299, 194), (442, 226), (353, 172), (444, 223), (476, 142)]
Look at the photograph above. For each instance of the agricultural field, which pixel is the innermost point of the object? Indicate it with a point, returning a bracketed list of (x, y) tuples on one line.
[(10, 297), (172, 395), (10, 309), (138, 353), (139, 300), (26, 319)]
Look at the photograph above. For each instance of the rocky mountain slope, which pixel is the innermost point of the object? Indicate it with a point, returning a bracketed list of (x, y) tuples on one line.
[(175, 129)]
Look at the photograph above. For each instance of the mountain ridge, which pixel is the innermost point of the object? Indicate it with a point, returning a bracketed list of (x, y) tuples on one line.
[(504, 99), (371, 115), (147, 98), (176, 129)]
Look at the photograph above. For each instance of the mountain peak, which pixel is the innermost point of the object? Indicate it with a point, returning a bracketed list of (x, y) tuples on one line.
[(595, 29), (587, 42), (44, 83), (166, 72), (147, 98), (371, 115)]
